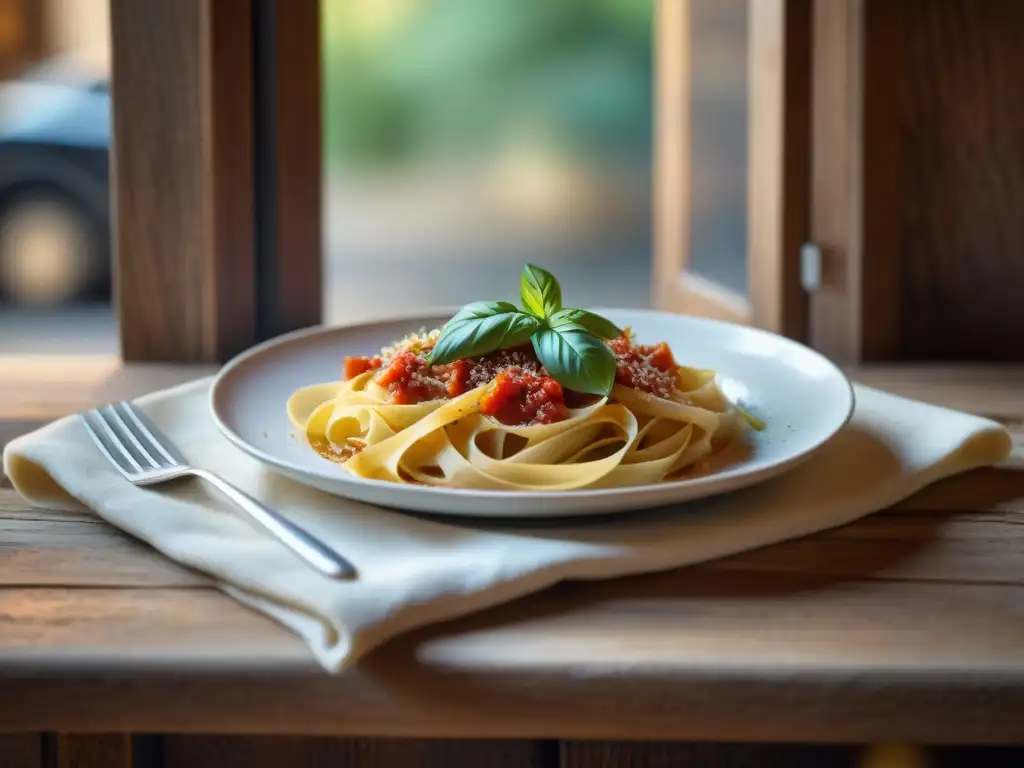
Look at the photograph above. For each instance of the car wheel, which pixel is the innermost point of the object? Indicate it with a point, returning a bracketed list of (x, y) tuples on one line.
[(51, 250)]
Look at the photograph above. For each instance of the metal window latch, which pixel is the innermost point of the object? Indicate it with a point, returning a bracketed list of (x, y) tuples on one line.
[(810, 267)]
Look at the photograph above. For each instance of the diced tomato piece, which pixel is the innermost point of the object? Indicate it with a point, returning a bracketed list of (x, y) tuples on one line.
[(649, 368), (355, 366), (401, 366), (503, 389), (410, 380), (458, 377), (661, 356), (522, 398)]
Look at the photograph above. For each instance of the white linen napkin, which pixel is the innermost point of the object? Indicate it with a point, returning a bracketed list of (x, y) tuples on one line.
[(415, 571)]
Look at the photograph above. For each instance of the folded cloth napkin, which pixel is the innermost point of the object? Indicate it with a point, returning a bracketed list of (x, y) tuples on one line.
[(415, 571)]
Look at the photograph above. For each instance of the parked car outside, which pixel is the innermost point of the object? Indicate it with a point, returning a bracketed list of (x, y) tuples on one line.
[(54, 185)]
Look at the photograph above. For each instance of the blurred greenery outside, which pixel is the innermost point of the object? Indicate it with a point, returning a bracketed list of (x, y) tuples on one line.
[(420, 82), (464, 137)]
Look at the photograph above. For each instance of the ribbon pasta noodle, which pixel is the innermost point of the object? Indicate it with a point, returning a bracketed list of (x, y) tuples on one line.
[(451, 432)]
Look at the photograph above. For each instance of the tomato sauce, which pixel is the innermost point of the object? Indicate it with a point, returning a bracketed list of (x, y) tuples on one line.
[(356, 366), (647, 367), (521, 392), (523, 398)]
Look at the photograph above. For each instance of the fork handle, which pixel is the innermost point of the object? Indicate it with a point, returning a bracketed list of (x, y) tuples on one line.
[(304, 544)]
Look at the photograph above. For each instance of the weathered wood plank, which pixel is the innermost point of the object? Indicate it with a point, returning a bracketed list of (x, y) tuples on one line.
[(36, 389), (904, 625), (960, 232), (989, 390), (132, 627), (922, 539), (183, 77), (854, 179), (924, 547), (46, 386), (117, 566), (289, 166), (991, 489), (41, 547), (689, 654)]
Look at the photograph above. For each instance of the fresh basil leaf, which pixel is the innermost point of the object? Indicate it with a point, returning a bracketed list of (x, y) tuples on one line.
[(539, 291), (482, 327), (597, 325), (576, 358)]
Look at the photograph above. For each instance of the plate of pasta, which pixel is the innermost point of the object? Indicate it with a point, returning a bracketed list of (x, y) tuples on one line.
[(534, 410)]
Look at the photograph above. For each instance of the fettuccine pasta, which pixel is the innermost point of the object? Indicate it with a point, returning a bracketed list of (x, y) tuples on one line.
[(499, 422)]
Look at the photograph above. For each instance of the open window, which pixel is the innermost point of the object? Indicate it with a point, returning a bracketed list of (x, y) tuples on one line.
[(732, 163)]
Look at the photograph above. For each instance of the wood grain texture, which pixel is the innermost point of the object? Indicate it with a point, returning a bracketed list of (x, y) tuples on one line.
[(289, 140), (996, 391), (42, 388), (854, 178), (779, 162), (905, 626), (882, 628), (230, 272), (50, 548), (273, 752), (961, 148), (778, 51), (45, 386), (108, 750), (568, 653), (675, 288), (182, 170), (671, 150)]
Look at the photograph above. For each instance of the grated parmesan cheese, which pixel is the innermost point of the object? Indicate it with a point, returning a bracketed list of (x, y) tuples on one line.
[(635, 368), (414, 342), (486, 369)]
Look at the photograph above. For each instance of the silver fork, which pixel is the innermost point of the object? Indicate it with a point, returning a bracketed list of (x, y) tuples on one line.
[(146, 457)]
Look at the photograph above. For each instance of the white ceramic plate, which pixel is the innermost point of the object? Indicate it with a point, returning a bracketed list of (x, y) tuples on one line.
[(802, 396)]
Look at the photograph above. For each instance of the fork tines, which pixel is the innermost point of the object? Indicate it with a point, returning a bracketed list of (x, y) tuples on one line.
[(120, 431)]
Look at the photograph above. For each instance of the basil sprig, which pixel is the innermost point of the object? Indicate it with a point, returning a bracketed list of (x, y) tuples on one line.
[(540, 292), (596, 324), (483, 327), (576, 358), (568, 342)]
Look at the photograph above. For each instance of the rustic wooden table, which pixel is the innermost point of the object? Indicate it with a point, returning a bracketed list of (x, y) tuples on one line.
[(907, 625)]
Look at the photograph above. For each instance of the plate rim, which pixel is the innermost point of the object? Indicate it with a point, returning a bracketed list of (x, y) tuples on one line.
[(740, 478)]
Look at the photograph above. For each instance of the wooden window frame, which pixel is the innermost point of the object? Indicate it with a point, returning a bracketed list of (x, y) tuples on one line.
[(22, 35), (216, 169), (217, 172), (778, 162), (854, 315)]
